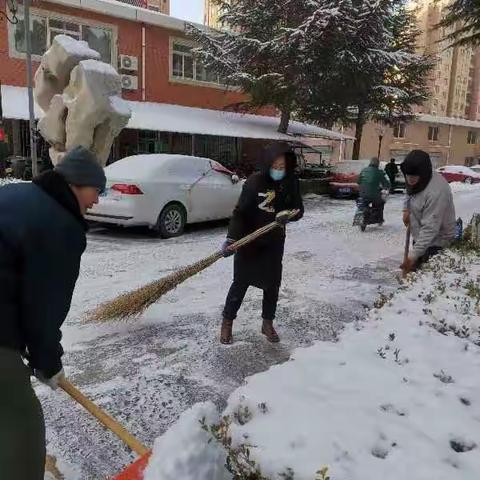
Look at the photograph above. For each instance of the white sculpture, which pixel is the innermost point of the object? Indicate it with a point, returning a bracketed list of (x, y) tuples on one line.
[(81, 98)]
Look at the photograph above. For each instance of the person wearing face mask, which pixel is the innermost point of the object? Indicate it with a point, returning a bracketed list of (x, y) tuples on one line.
[(265, 195), (42, 238), (429, 210)]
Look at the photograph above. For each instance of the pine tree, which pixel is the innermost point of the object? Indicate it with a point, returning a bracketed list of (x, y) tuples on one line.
[(386, 77), (325, 61), (267, 51), (464, 16)]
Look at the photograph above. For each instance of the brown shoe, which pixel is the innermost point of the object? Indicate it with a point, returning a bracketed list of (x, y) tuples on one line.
[(269, 331), (226, 336)]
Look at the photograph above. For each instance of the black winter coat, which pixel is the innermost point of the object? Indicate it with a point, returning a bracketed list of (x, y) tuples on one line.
[(42, 238), (260, 263)]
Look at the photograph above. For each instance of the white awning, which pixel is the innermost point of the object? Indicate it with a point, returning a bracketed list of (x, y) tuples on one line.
[(165, 117)]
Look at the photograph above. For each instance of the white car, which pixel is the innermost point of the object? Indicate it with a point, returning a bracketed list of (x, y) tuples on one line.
[(476, 168), (165, 192)]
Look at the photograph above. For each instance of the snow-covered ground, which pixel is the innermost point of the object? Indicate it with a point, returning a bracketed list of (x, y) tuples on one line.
[(147, 372), (396, 397)]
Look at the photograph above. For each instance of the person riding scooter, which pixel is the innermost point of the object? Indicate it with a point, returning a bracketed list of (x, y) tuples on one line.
[(371, 204)]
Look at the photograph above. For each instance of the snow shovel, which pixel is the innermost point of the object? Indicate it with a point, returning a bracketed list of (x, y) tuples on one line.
[(133, 304), (105, 419)]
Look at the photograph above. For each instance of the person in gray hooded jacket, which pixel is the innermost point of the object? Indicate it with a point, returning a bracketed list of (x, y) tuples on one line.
[(429, 209)]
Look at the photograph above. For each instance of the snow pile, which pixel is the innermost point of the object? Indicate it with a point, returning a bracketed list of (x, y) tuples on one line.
[(184, 452), (397, 397), (464, 187), (8, 181), (76, 48)]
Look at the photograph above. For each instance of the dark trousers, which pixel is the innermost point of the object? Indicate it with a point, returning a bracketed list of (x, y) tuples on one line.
[(431, 252), (236, 295), (392, 183), (22, 428)]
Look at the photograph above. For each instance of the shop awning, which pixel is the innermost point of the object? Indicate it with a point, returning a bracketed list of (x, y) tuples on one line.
[(165, 117)]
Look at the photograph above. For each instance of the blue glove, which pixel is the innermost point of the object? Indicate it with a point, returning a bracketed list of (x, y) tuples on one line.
[(227, 252)]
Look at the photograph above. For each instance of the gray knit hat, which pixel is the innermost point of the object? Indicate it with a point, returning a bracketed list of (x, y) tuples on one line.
[(80, 167)]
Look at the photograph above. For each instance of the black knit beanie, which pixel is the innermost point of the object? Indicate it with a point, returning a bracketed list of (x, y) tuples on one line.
[(80, 167)]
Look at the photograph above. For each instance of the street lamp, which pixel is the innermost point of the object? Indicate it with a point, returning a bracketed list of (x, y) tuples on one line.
[(381, 133), (28, 57)]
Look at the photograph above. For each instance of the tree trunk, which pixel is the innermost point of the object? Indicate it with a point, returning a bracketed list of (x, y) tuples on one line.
[(359, 124), (284, 121)]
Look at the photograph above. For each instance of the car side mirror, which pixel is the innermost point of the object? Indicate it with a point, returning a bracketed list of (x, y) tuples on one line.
[(235, 179)]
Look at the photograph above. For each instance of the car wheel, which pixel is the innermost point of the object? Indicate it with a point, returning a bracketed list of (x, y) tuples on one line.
[(171, 222), (468, 180)]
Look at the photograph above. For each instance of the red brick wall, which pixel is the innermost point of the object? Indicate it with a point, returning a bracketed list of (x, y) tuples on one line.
[(158, 86)]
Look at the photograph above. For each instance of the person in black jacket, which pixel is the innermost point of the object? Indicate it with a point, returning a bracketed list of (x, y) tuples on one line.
[(42, 238), (265, 197), (392, 171)]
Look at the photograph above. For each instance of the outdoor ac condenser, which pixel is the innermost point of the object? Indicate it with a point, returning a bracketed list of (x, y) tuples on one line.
[(128, 62), (129, 82)]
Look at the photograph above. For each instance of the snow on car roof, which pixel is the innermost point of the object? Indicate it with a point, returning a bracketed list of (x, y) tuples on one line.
[(141, 166)]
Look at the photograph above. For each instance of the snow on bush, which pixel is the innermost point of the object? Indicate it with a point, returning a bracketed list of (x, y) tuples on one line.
[(184, 452), (397, 397)]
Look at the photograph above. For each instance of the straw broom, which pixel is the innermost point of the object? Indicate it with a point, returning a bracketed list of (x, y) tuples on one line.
[(133, 304)]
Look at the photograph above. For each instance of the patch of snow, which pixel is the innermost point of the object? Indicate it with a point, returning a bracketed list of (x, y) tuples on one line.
[(394, 398), (120, 106), (377, 404), (78, 48), (464, 187), (98, 67), (8, 181), (184, 451)]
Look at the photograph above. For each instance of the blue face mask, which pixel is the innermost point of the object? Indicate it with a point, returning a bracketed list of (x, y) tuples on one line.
[(277, 175)]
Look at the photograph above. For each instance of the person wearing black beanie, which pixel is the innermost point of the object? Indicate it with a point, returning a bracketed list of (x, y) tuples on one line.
[(42, 239), (429, 209)]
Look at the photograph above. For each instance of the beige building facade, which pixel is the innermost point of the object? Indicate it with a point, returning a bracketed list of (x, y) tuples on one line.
[(448, 141)]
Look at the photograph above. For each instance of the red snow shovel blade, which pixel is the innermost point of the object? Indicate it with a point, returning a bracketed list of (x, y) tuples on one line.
[(136, 470)]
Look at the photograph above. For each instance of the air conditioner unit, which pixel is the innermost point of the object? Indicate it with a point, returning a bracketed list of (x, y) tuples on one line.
[(129, 82), (128, 62)]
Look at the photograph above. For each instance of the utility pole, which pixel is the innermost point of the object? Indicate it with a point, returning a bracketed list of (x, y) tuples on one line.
[(33, 129)]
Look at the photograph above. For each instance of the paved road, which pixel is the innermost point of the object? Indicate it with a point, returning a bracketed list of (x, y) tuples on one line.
[(146, 372)]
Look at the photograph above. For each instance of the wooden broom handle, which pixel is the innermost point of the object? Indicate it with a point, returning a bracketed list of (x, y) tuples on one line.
[(407, 248), (104, 418)]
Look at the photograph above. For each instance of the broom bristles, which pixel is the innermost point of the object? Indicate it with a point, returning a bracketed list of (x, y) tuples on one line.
[(133, 304)]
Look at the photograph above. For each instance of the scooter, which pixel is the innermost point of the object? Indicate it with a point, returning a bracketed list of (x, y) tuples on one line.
[(370, 213)]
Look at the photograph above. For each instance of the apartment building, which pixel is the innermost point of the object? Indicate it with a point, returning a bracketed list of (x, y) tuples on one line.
[(451, 79), (447, 125), (211, 12)]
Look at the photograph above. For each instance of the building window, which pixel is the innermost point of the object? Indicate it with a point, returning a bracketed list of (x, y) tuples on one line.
[(38, 33), (472, 137), (399, 130), (433, 133), (46, 27), (186, 67)]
